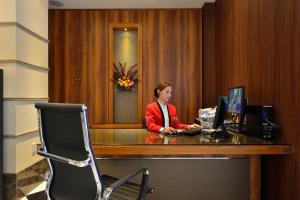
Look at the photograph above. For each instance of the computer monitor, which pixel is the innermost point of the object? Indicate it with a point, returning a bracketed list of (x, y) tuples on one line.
[(236, 100), (219, 119), (220, 112), (225, 103)]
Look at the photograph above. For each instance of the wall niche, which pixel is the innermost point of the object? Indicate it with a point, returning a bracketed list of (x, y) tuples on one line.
[(125, 73)]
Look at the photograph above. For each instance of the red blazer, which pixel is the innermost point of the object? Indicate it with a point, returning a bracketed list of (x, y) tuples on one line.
[(155, 119)]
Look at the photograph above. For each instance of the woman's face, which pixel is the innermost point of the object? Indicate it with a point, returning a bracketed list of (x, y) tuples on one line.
[(165, 94)]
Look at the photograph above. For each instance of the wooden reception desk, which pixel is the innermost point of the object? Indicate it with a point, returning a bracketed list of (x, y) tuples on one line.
[(140, 143)]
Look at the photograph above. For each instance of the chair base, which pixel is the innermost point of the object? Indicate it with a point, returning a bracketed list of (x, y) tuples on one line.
[(128, 191), (37, 196)]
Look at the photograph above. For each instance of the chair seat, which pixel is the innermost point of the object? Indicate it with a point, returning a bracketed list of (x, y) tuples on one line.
[(128, 191)]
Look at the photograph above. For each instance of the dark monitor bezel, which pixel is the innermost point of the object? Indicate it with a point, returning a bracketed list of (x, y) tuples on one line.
[(225, 103), (242, 100), (219, 116)]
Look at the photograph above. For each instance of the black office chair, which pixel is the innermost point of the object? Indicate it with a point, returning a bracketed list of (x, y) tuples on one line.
[(73, 173)]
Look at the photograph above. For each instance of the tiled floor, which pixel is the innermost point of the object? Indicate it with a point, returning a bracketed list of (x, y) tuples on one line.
[(16, 186), (31, 193)]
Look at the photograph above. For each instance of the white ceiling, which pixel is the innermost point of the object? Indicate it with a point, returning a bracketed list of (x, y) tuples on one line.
[(119, 4)]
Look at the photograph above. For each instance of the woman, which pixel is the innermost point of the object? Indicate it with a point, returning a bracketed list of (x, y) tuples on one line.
[(161, 116)]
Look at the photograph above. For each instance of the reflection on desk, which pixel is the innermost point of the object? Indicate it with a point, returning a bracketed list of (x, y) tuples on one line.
[(154, 138), (141, 144), (142, 136), (133, 143)]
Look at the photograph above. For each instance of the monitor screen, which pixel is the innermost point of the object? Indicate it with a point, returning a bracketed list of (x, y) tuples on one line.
[(236, 100)]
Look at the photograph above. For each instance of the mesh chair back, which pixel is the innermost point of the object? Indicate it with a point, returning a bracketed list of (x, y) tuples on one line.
[(64, 132)]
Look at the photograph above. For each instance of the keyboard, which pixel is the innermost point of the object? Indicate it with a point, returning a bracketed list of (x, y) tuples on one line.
[(191, 132)]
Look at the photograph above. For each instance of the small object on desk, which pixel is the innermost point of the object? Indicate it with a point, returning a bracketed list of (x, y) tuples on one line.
[(219, 140), (208, 131), (191, 132), (175, 133), (220, 134)]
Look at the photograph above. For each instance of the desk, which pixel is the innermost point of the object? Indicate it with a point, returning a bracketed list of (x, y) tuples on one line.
[(140, 143)]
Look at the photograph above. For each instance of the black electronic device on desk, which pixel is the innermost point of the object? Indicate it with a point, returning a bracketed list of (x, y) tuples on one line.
[(191, 132), (260, 121), (236, 127), (236, 106), (219, 121)]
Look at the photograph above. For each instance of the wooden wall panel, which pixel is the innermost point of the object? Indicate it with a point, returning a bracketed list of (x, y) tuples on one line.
[(173, 56), (78, 60), (209, 55), (93, 61), (296, 96), (171, 52), (257, 45), (100, 99), (187, 60), (62, 79), (125, 16)]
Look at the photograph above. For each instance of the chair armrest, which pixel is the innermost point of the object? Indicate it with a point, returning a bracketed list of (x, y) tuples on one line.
[(123, 180), (69, 161)]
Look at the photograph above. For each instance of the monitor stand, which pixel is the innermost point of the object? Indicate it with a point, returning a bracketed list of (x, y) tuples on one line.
[(221, 134), (236, 128)]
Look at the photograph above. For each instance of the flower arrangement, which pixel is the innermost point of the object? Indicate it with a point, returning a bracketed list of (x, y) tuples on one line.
[(124, 79)]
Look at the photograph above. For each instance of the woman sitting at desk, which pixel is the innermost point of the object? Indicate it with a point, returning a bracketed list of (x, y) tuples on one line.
[(161, 116)]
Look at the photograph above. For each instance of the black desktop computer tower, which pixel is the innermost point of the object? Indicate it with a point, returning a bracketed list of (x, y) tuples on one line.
[(260, 121)]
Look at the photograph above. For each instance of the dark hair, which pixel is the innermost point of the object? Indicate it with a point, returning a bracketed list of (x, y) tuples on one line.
[(160, 87)]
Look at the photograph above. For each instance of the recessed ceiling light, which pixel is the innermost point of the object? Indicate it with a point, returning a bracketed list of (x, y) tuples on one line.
[(56, 3), (125, 29)]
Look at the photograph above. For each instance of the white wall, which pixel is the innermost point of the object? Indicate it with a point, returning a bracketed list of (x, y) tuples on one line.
[(8, 42), (33, 14), (23, 82), (24, 59), (8, 10)]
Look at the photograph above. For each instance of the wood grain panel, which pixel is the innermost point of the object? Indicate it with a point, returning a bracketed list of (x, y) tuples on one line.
[(257, 45), (223, 60), (125, 16), (62, 57), (255, 174), (93, 60), (78, 60), (296, 96), (172, 40), (209, 55), (188, 30), (172, 52), (100, 85), (176, 151)]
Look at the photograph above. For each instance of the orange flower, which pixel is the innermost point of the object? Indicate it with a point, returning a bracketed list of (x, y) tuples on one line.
[(124, 79)]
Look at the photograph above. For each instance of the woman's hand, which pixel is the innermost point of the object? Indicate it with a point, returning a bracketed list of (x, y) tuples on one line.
[(169, 130), (193, 126)]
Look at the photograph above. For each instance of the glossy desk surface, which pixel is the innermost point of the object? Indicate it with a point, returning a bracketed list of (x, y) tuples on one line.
[(140, 143)]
